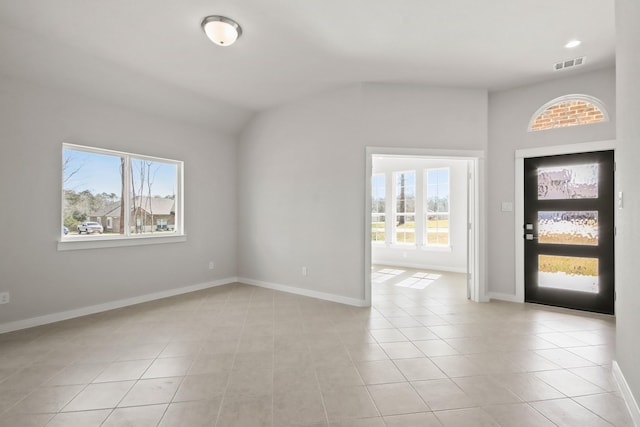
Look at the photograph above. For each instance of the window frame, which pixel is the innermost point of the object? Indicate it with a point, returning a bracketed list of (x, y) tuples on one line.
[(66, 242), (426, 212)]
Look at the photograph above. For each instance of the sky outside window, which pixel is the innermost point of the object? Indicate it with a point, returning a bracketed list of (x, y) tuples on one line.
[(100, 173)]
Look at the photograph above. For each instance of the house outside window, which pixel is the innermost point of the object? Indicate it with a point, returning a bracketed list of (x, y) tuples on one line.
[(437, 207), (162, 224), (405, 207), (127, 194)]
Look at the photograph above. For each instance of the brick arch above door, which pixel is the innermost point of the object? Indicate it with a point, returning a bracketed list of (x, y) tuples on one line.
[(568, 110)]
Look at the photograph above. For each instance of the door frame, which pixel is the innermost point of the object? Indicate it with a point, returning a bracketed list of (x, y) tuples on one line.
[(475, 216), (520, 155)]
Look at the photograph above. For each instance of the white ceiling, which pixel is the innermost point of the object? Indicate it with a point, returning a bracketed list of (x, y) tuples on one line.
[(153, 52)]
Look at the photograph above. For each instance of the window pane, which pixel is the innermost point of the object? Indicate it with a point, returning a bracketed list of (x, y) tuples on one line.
[(438, 238), (92, 189), (443, 204), (437, 221), (153, 196), (437, 207), (437, 227), (108, 193), (568, 182), (378, 228), (378, 186), (410, 184), (437, 204), (378, 194), (569, 273), (378, 207), (437, 190), (405, 192), (405, 207), (406, 236), (406, 229), (443, 190), (568, 227)]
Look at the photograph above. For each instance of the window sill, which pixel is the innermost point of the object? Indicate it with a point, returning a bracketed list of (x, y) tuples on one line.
[(86, 242), (403, 246), (436, 248)]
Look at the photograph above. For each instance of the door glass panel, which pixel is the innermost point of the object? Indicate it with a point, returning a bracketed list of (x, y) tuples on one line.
[(568, 227), (568, 182), (568, 273)]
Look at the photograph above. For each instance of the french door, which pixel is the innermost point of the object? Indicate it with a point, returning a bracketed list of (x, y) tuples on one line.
[(569, 231)]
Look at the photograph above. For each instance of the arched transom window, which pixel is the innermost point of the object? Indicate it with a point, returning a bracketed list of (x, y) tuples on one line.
[(569, 110)]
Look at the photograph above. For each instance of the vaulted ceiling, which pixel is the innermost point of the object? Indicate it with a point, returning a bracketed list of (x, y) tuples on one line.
[(153, 54)]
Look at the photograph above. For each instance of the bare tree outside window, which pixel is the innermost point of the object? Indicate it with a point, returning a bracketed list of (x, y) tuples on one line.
[(405, 214)]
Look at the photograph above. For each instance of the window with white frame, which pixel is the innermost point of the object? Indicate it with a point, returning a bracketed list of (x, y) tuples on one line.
[(436, 206), (109, 194), (378, 207), (405, 207)]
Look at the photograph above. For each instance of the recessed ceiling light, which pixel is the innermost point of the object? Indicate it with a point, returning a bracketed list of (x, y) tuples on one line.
[(572, 43)]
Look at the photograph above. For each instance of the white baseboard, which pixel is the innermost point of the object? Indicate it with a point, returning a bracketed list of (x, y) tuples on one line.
[(84, 311), (504, 297), (422, 266), (627, 395), (305, 292)]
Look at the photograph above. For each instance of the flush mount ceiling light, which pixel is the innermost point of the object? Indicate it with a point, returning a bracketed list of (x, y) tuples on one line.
[(572, 44), (221, 30)]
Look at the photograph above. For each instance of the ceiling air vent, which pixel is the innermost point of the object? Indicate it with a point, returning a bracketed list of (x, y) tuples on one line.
[(569, 63)]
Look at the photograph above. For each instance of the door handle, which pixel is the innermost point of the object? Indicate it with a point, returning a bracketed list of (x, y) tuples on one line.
[(528, 232)]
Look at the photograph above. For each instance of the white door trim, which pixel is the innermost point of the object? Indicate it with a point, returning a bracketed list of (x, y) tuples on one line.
[(520, 155), (476, 218)]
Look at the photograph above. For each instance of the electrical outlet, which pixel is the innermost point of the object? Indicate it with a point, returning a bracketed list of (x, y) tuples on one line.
[(304, 271), (211, 265), (4, 297)]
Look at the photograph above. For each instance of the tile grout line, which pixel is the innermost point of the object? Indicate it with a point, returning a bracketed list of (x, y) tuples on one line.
[(222, 401)]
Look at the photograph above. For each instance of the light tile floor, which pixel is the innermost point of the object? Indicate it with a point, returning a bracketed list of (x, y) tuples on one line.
[(240, 356)]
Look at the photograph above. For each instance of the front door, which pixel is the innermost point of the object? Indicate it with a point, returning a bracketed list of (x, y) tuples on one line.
[(569, 231)]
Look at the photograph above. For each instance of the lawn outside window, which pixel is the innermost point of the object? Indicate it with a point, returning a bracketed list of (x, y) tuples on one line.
[(113, 198)]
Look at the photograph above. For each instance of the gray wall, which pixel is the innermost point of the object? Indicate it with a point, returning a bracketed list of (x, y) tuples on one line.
[(34, 121), (301, 190), (627, 157), (509, 115)]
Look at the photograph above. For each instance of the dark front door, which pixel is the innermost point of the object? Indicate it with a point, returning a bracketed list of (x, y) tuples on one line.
[(569, 231)]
